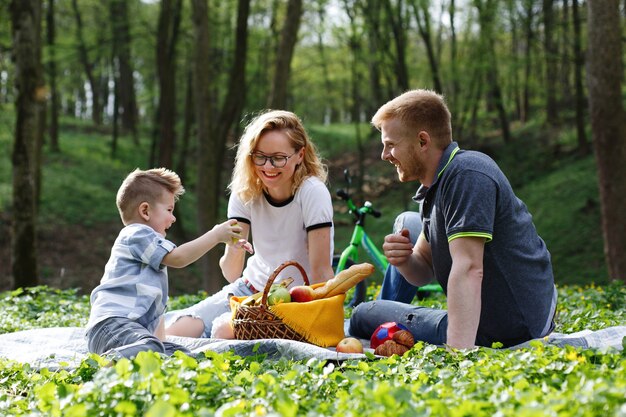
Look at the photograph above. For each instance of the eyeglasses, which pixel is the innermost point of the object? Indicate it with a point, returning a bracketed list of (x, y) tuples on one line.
[(277, 161)]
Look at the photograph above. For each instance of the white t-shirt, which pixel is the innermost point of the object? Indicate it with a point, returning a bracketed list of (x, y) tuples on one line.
[(279, 231)]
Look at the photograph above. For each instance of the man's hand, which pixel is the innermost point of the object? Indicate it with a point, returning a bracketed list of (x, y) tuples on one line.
[(398, 247)]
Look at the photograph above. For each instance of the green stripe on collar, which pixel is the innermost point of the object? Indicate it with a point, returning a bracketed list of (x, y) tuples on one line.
[(449, 160)]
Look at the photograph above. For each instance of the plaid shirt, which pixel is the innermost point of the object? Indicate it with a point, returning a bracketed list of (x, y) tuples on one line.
[(134, 284)]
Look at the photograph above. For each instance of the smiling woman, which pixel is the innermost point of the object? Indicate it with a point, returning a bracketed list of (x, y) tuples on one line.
[(278, 195)]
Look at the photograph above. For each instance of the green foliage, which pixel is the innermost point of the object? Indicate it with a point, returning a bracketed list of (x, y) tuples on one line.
[(338, 140), (566, 212), (427, 380), (42, 306)]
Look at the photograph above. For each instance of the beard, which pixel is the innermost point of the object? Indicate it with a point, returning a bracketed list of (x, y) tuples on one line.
[(410, 170)]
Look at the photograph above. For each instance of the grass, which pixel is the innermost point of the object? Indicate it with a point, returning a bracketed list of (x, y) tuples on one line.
[(428, 380)]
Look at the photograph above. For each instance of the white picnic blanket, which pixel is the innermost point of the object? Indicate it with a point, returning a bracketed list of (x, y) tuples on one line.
[(66, 346)]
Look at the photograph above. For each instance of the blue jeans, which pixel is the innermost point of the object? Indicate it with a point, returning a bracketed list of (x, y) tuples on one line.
[(394, 300), (122, 337), (427, 324), (394, 286)]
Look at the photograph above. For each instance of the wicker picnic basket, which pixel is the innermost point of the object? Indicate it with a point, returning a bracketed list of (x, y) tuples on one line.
[(264, 322)]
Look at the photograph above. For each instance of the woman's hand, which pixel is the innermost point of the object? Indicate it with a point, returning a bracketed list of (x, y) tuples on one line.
[(232, 262), (242, 244)]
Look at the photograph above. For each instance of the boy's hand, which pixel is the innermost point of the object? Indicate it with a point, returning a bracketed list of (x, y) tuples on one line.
[(229, 232)]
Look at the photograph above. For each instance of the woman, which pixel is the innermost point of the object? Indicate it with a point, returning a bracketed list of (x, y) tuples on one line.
[(278, 194)]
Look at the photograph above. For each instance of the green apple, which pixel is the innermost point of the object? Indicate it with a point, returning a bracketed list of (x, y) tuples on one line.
[(278, 295)]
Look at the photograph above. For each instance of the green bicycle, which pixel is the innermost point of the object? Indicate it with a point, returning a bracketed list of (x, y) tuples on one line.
[(350, 255)]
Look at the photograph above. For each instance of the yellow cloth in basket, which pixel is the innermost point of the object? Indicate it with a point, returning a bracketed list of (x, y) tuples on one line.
[(319, 321)]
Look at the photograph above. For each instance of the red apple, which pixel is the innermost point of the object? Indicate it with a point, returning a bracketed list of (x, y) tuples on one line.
[(302, 294), (350, 345)]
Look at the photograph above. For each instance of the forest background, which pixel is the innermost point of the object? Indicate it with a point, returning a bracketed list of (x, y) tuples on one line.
[(90, 89)]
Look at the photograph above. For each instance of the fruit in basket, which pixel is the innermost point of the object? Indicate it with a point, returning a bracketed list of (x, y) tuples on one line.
[(252, 299), (278, 295), (344, 280), (349, 345), (302, 294), (385, 332)]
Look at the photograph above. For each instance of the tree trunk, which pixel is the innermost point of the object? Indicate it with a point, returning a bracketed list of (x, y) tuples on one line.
[(167, 34), (422, 16), (604, 78), (26, 27), (528, 27), (579, 62), (53, 128), (565, 71), (116, 110), (371, 14), (212, 136), (183, 155), (88, 66), (514, 61), (453, 94), (207, 213), (551, 58), (396, 21), (486, 15), (120, 26), (288, 38), (328, 111), (355, 107)]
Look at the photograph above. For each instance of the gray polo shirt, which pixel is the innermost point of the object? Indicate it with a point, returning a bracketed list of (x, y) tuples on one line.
[(472, 197)]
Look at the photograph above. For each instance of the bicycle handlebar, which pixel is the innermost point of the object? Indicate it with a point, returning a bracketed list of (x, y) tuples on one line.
[(359, 213)]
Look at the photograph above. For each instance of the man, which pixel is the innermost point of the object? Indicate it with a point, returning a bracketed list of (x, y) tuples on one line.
[(478, 240)]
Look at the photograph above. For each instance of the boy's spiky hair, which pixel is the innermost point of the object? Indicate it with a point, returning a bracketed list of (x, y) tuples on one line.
[(148, 186)]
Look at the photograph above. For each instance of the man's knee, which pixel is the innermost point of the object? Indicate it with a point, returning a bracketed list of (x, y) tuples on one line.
[(411, 221)]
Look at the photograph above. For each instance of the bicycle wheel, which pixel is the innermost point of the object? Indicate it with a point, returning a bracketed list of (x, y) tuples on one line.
[(360, 291)]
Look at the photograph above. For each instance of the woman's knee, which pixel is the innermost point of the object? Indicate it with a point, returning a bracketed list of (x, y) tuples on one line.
[(186, 326)]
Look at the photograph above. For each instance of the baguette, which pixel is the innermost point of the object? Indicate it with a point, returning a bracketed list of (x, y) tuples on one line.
[(344, 280)]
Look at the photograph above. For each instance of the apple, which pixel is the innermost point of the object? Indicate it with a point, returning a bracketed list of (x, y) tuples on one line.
[(278, 295), (349, 345), (302, 294)]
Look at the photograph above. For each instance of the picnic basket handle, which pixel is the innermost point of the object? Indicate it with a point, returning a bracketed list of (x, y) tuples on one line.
[(272, 277)]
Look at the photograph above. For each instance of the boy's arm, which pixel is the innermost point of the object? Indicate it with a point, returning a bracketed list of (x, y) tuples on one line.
[(191, 251)]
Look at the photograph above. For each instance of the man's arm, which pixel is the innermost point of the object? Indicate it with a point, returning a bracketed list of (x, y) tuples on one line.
[(464, 291)]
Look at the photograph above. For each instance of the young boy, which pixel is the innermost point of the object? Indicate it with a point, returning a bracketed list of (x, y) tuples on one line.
[(128, 306)]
